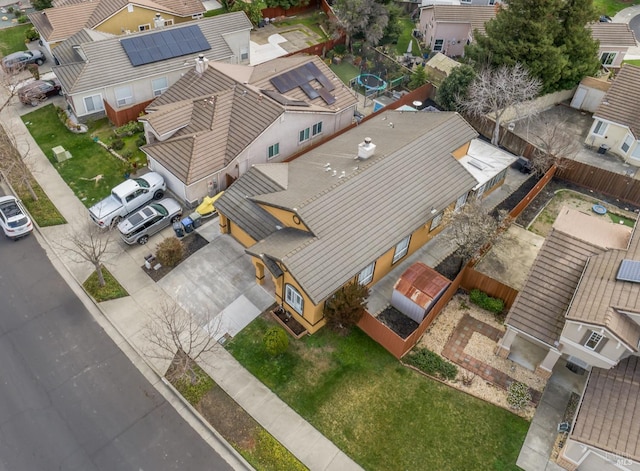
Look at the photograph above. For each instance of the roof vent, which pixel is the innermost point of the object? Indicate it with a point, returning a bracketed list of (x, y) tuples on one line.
[(366, 149), (202, 63)]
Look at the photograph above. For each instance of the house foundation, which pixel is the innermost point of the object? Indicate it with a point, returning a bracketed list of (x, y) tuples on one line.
[(504, 345)]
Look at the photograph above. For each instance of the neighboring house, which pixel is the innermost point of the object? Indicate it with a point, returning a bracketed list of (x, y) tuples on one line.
[(581, 303), (459, 2), (117, 17), (614, 39), (351, 209), (449, 28), (589, 94), (119, 76), (220, 119), (616, 122), (488, 164)]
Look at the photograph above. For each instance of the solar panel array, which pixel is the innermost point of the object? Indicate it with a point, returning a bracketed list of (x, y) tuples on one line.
[(165, 44), (629, 271), (302, 77)]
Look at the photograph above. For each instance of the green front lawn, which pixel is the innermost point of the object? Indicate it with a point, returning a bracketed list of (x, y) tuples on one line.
[(382, 414), (611, 7), (635, 62), (89, 161), (12, 39)]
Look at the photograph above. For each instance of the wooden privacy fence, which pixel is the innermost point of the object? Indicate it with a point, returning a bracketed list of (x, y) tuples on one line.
[(515, 212), (473, 279), (120, 117)]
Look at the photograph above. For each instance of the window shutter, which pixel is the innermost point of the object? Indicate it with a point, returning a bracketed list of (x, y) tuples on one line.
[(586, 337), (601, 344)]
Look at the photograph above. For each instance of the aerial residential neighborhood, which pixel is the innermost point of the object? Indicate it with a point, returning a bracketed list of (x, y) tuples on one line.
[(326, 236)]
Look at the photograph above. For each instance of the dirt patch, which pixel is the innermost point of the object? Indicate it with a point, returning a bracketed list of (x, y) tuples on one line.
[(192, 243), (398, 322)]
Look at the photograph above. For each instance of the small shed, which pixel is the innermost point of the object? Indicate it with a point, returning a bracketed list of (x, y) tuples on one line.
[(417, 290), (589, 94)]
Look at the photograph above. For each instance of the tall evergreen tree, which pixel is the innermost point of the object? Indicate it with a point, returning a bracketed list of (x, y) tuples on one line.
[(548, 37)]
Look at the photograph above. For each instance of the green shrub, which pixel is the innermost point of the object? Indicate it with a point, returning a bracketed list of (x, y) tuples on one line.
[(127, 153), (480, 298), (141, 141), (339, 49), (22, 19), (31, 34), (275, 341), (129, 129), (431, 363), (117, 144), (170, 252), (518, 395)]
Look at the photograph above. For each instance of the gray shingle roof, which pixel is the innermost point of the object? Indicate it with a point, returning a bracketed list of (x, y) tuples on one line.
[(622, 101), (475, 15), (107, 63), (609, 416), (540, 306), (378, 202)]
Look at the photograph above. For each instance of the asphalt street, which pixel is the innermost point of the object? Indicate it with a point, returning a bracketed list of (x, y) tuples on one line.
[(69, 397)]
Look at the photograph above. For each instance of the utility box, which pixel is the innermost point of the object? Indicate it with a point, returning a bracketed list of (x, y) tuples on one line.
[(603, 149)]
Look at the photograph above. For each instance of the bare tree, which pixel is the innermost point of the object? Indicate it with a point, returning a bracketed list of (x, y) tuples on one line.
[(492, 91), (554, 146), (89, 244), (13, 165), (471, 228), (181, 338)]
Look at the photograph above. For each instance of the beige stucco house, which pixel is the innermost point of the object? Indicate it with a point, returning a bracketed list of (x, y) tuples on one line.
[(220, 119), (101, 75), (581, 304), (449, 28), (67, 17), (616, 122), (614, 39)]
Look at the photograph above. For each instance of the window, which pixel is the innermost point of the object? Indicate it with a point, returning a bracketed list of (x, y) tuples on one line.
[(435, 222), (159, 85), (636, 152), (273, 151), (244, 54), (437, 45), (401, 249), (197, 16), (93, 103), (626, 145), (304, 135), (366, 275), (146, 27), (168, 22), (460, 202), (492, 2), (607, 58), (293, 298), (465, 1), (600, 128), (124, 95), (317, 129), (593, 341)]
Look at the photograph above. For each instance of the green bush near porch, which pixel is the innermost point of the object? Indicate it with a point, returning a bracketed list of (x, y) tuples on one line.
[(382, 414)]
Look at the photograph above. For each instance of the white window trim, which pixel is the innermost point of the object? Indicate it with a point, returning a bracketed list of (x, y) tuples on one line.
[(604, 54), (461, 201), (629, 138), (635, 153), (314, 129), (100, 106), (244, 54), (197, 16), (436, 221), (307, 135), (168, 22), (269, 151), (401, 250), (291, 296), (126, 99), (594, 335), (366, 275), (160, 90), (600, 126)]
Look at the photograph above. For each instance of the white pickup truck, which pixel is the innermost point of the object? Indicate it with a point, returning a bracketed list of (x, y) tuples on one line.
[(126, 198)]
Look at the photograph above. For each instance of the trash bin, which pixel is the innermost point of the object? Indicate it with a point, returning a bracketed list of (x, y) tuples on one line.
[(187, 223), (603, 149), (179, 230), (197, 219)]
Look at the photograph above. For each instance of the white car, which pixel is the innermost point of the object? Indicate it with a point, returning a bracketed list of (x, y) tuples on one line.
[(14, 219)]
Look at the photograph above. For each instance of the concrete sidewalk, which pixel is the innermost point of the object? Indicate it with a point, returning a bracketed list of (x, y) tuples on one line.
[(127, 317)]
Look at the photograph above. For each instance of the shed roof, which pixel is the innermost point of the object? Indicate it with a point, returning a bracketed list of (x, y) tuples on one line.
[(622, 102), (421, 283), (356, 216), (609, 416)]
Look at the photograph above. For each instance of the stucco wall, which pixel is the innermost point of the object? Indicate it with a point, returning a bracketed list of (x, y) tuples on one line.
[(590, 458), (613, 137), (572, 338), (128, 20), (539, 104)]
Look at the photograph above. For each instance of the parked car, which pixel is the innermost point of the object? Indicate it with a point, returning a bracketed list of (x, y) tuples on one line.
[(142, 224), (38, 91), (14, 219), (126, 198), (19, 60)]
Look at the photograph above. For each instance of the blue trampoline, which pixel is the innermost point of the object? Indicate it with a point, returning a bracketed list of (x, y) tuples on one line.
[(371, 83)]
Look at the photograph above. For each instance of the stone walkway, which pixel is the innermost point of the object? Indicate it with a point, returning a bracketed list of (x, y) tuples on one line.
[(454, 351)]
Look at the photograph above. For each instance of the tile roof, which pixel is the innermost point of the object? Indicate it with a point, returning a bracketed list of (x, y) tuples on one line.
[(609, 416), (69, 16), (107, 63), (358, 215), (475, 15), (622, 101), (613, 34), (540, 306)]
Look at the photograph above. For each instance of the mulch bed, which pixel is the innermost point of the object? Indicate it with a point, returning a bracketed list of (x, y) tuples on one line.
[(289, 322), (192, 243), (398, 322)]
